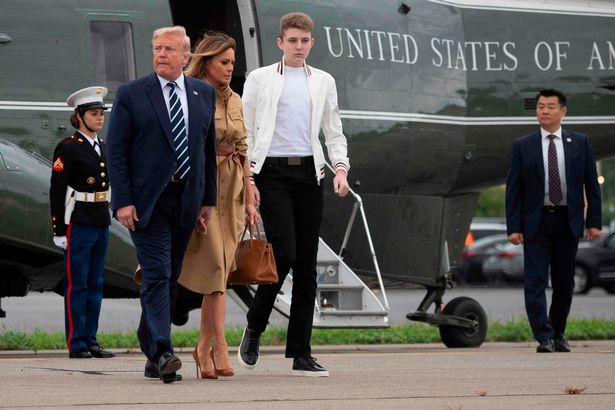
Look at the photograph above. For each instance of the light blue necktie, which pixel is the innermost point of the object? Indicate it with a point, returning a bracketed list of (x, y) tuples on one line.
[(178, 130)]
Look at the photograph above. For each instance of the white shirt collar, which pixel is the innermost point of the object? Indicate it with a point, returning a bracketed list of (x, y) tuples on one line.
[(179, 81), (545, 133), (89, 139)]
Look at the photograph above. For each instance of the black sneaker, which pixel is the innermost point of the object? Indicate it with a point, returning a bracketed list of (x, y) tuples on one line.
[(307, 366), (248, 349)]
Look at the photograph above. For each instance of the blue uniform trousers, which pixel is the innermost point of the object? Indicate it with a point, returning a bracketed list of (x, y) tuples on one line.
[(160, 250), (84, 261), (552, 246)]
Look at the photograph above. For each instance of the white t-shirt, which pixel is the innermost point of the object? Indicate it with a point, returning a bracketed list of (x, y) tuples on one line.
[(292, 135)]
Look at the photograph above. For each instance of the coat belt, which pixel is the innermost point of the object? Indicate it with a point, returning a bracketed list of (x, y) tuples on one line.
[(229, 151)]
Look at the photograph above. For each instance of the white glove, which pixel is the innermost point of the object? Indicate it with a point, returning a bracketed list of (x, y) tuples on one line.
[(60, 241)]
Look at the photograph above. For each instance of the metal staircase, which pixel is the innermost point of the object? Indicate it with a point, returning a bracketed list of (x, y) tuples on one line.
[(342, 299)]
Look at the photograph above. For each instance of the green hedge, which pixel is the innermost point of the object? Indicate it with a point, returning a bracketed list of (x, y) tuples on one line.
[(511, 331)]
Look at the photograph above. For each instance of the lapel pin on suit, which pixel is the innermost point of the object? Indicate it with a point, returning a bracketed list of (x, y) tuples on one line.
[(195, 92), (568, 140)]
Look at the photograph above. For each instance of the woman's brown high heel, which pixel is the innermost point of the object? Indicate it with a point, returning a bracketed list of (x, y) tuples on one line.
[(204, 375), (221, 372)]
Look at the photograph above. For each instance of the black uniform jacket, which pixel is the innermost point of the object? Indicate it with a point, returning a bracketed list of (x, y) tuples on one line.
[(77, 164)]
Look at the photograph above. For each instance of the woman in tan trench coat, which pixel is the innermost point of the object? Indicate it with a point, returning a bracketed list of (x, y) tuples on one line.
[(210, 254)]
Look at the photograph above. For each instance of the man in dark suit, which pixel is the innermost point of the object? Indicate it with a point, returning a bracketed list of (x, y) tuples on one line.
[(552, 180), (162, 167)]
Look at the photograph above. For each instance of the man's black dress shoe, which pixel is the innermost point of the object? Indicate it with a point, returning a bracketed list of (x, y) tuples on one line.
[(79, 354), (99, 352), (151, 371), (561, 344), (168, 364), (547, 346)]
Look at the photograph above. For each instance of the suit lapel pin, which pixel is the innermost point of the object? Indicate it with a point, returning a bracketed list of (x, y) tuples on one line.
[(195, 92), (568, 140)]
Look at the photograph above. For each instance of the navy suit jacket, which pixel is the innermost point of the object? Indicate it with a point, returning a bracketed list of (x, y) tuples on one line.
[(140, 148), (525, 187)]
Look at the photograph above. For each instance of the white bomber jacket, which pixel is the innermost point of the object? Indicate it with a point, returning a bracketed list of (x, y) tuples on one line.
[(261, 93)]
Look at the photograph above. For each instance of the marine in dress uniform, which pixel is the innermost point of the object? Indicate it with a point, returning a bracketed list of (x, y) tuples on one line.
[(80, 181)]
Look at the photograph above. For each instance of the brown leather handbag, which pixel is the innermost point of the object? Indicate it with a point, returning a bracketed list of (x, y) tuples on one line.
[(254, 261)]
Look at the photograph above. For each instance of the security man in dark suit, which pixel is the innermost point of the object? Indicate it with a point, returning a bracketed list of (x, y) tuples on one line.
[(552, 194), (162, 163), (79, 197)]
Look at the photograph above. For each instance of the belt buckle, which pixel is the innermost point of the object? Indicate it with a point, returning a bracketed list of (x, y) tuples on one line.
[(294, 160), (100, 196), (174, 178)]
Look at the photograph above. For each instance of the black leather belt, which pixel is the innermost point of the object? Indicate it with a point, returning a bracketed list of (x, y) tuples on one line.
[(289, 160), (551, 208)]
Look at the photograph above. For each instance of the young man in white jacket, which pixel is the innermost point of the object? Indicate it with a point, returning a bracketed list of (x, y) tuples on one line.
[(285, 107)]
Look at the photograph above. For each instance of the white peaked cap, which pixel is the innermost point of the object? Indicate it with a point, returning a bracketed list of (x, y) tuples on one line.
[(89, 97)]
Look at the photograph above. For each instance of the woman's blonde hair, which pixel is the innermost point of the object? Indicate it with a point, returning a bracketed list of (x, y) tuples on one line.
[(212, 44)]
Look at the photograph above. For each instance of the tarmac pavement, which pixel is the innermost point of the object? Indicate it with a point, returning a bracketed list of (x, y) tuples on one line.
[(419, 376)]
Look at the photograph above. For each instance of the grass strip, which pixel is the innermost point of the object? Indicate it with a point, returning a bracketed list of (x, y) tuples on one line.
[(516, 330)]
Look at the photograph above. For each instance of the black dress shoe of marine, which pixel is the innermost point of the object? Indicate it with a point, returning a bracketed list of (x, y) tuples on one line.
[(151, 371), (248, 349), (561, 344), (547, 346), (99, 352), (80, 354), (168, 364)]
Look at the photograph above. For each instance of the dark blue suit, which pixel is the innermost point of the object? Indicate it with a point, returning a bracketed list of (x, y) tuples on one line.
[(142, 161), (551, 235)]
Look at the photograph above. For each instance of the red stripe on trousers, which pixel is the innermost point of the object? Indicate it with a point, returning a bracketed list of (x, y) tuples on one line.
[(69, 278)]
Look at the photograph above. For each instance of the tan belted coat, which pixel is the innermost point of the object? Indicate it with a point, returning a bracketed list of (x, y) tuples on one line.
[(209, 258)]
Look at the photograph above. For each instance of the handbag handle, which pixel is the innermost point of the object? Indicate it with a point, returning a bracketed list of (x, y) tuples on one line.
[(258, 232)]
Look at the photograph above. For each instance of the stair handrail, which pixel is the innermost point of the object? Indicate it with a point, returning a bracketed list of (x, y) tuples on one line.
[(358, 204)]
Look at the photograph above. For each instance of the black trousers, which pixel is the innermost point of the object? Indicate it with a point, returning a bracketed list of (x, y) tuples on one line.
[(160, 249), (553, 246), (291, 208)]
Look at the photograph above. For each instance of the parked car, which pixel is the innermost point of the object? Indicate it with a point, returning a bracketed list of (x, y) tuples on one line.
[(594, 264), (470, 266), (504, 264), (482, 227), (471, 271)]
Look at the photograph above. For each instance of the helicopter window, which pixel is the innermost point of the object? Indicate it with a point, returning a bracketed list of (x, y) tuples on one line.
[(113, 53), (10, 162)]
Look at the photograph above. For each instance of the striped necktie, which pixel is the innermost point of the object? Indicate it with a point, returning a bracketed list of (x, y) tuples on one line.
[(178, 130)]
